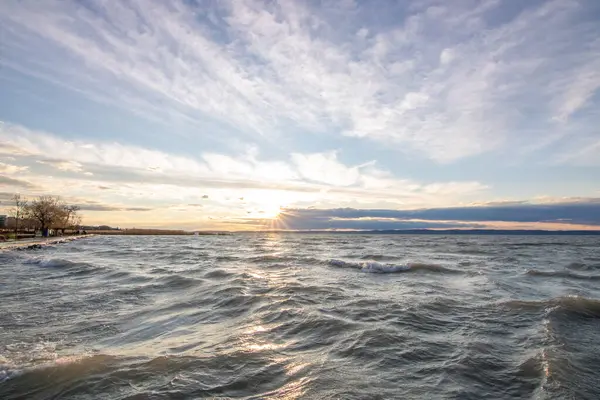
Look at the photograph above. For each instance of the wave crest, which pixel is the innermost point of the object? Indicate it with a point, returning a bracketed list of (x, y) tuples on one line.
[(70, 267), (582, 266), (177, 282), (381, 268), (52, 262), (573, 304), (562, 274)]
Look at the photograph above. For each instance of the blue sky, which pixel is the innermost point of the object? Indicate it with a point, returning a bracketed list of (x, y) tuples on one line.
[(217, 114)]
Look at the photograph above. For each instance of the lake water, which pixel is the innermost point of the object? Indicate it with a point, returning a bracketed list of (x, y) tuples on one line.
[(300, 316)]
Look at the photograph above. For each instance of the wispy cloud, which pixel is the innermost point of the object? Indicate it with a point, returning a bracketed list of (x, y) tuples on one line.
[(11, 169), (63, 165), (445, 82), (17, 184), (586, 152), (106, 207)]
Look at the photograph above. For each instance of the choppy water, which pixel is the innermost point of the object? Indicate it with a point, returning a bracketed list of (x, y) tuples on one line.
[(288, 316)]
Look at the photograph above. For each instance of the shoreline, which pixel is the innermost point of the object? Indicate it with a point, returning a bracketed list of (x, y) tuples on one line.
[(38, 242)]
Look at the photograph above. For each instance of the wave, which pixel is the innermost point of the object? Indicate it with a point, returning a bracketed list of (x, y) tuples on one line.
[(432, 268), (52, 262), (165, 376), (118, 275), (583, 267), (537, 244), (218, 274), (178, 282), (562, 274), (342, 264), (21, 357), (227, 258), (270, 258), (574, 304), (72, 267), (34, 371), (376, 267), (378, 257), (379, 268), (533, 367)]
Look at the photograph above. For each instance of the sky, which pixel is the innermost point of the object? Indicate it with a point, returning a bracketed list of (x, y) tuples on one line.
[(305, 114)]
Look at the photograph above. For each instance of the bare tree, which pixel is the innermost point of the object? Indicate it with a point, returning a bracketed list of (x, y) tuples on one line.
[(18, 211), (69, 218), (47, 211)]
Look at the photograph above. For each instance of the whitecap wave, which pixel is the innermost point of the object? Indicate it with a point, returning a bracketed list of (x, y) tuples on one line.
[(50, 262), (385, 268), (370, 266), (20, 358), (379, 268)]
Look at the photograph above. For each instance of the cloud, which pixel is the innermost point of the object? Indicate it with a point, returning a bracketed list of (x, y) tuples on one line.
[(11, 169), (17, 183), (446, 56), (564, 213), (586, 153), (189, 208), (6, 198), (443, 82), (309, 175), (137, 209), (6, 148), (108, 207), (295, 222), (97, 207), (325, 168), (63, 165)]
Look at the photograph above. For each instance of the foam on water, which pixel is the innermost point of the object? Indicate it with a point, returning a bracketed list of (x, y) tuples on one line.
[(369, 266), (386, 268), (50, 262), (379, 268), (20, 357)]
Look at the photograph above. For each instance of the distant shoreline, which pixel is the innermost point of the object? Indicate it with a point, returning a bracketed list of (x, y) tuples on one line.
[(446, 232), (457, 232), (152, 232)]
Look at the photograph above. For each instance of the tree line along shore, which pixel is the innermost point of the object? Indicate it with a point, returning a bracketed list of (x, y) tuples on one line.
[(42, 216), (48, 216)]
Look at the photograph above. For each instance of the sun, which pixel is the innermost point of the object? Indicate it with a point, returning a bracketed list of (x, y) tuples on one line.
[(271, 211), (270, 205), (269, 208)]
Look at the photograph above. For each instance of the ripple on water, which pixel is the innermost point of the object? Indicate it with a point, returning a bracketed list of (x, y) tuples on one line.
[(299, 316)]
